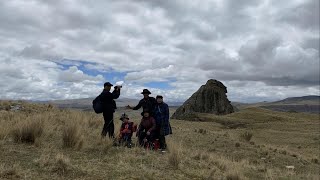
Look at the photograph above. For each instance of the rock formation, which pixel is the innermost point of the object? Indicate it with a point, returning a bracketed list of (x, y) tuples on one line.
[(210, 98)]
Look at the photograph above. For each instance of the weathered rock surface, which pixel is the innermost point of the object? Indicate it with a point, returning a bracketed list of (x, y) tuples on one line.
[(210, 98)]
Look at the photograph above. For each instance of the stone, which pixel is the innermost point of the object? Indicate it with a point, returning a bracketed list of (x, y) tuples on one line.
[(210, 98)]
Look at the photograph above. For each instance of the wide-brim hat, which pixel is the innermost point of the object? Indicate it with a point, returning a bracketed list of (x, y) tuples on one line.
[(146, 91), (107, 84)]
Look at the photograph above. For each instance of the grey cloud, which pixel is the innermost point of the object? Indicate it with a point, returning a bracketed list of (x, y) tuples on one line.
[(262, 43), (305, 15), (257, 52), (312, 43), (38, 52)]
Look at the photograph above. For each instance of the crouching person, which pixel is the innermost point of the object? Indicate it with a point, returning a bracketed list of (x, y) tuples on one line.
[(126, 131), (146, 130)]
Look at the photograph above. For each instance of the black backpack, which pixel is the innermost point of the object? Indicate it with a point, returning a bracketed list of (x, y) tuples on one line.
[(97, 105)]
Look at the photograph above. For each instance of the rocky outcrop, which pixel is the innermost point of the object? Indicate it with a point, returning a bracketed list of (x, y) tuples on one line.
[(210, 98)]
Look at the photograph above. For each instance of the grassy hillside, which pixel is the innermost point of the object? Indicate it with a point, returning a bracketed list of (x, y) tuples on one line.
[(43, 142)]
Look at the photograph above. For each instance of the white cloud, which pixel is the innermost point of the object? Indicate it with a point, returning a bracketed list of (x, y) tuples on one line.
[(267, 46)]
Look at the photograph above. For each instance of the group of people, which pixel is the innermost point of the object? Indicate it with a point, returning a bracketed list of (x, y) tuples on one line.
[(154, 125)]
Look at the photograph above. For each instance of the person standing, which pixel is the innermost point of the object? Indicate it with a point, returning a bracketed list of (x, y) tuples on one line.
[(161, 115), (146, 103), (109, 106)]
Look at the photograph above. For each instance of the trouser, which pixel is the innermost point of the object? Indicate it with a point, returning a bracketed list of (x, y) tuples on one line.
[(126, 138), (143, 135), (108, 127), (161, 137), (162, 141)]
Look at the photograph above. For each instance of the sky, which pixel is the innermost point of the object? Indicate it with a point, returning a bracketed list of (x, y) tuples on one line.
[(66, 49)]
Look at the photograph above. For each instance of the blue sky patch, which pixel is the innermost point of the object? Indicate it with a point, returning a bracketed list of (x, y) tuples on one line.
[(159, 85)]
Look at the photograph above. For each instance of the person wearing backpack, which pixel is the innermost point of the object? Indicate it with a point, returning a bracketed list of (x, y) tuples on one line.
[(108, 108), (161, 115)]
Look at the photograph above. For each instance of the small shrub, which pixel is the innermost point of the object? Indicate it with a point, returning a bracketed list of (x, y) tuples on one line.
[(284, 152), (246, 136), (233, 177), (9, 172), (70, 135), (174, 156), (202, 131), (62, 164), (315, 160), (27, 132), (237, 144)]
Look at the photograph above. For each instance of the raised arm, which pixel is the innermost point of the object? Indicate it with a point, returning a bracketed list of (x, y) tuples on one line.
[(116, 93), (137, 106)]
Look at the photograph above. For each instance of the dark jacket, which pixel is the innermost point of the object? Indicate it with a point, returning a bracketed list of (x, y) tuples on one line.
[(161, 115), (107, 99), (147, 124), (146, 103)]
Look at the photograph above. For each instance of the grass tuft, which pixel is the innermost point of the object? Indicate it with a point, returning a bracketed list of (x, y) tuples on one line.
[(70, 135), (27, 132), (246, 136), (62, 164), (174, 155)]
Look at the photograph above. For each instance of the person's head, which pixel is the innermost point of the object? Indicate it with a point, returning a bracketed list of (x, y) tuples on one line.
[(146, 93), (124, 117), (107, 86), (159, 99), (146, 113)]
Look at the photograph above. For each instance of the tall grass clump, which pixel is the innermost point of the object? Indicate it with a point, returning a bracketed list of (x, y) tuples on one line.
[(174, 157), (62, 164), (28, 131), (246, 136), (70, 135)]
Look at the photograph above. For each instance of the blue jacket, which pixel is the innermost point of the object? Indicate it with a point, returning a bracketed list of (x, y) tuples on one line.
[(161, 115)]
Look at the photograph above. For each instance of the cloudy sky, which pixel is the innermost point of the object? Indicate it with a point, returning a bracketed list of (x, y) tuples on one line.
[(261, 50)]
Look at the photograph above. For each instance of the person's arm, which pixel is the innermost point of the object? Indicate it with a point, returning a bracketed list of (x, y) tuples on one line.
[(116, 93), (153, 121), (137, 106), (167, 113), (122, 128)]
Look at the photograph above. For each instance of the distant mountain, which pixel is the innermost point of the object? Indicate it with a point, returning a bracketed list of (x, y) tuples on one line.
[(86, 103), (309, 100), (309, 104)]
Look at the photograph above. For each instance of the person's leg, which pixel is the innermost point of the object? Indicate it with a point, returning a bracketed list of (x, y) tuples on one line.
[(162, 142), (141, 137), (129, 140), (111, 128), (105, 126), (109, 125)]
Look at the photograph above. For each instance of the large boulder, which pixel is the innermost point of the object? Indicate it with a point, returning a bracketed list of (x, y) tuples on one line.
[(210, 98)]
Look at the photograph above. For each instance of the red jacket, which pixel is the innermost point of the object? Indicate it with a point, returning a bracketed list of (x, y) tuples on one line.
[(128, 128), (148, 124)]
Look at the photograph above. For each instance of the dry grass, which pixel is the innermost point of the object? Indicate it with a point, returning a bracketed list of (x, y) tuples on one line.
[(196, 150), (246, 136), (28, 131), (70, 135), (62, 164), (174, 158)]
